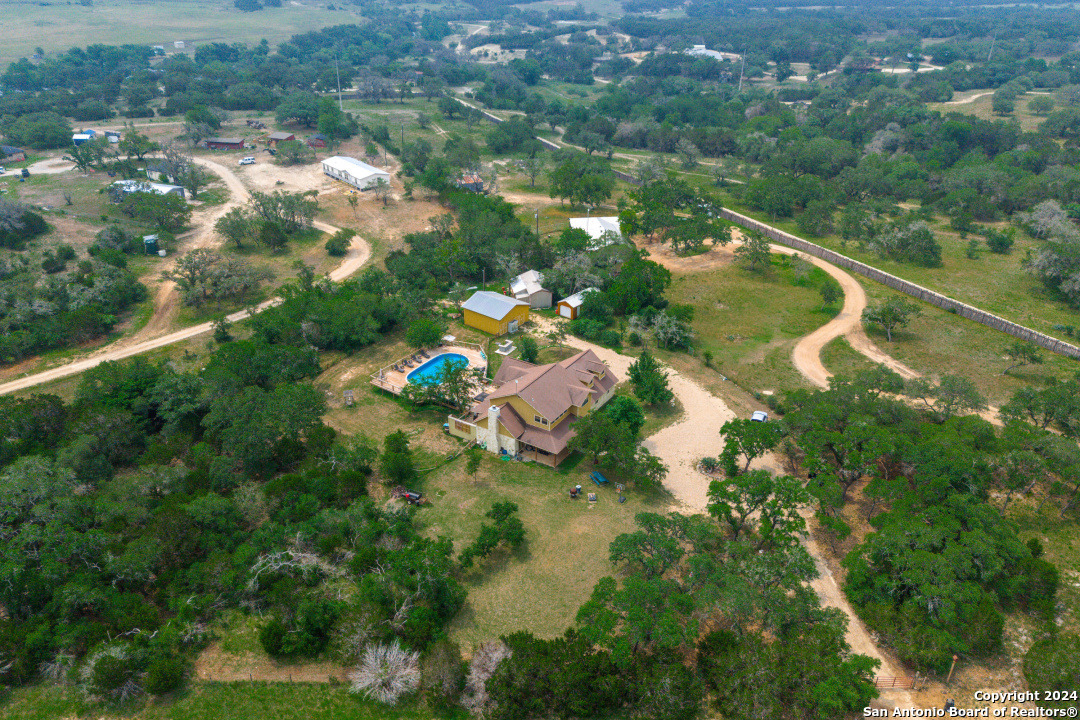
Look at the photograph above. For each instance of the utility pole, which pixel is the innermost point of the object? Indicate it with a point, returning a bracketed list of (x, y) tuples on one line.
[(337, 72), (536, 217), (742, 69)]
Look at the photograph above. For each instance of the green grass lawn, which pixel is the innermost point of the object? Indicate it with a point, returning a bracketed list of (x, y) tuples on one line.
[(540, 586), (751, 322), (995, 283), (216, 701), (840, 358), (937, 342)]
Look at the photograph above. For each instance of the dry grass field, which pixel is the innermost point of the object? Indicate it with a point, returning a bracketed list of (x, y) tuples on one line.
[(55, 27)]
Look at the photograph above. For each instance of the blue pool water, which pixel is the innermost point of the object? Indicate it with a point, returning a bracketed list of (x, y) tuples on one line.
[(429, 371)]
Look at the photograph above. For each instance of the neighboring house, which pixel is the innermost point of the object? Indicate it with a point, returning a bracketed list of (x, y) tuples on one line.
[(222, 143), (568, 307), (471, 182), (529, 286), (494, 313), (113, 136), (82, 137), (603, 231), (533, 409), (350, 170), (317, 141), (123, 187), (9, 153), (279, 137)]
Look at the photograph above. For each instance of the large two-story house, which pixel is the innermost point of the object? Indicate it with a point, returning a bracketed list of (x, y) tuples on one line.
[(533, 408)]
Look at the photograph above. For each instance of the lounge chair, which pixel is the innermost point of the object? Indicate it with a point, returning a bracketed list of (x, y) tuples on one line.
[(423, 354)]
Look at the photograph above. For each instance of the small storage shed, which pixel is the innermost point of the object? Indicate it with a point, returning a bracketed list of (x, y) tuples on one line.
[(317, 141), (279, 137), (350, 170), (569, 306), (222, 143), (529, 286), (494, 313)]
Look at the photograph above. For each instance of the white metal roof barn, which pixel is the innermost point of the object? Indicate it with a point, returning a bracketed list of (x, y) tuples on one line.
[(358, 174)]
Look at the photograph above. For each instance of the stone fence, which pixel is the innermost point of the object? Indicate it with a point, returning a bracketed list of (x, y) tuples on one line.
[(909, 288)]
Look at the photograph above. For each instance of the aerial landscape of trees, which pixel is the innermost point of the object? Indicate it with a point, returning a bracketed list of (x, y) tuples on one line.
[(151, 506)]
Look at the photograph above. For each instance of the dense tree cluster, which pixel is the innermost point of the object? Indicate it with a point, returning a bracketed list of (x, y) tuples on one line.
[(942, 563)]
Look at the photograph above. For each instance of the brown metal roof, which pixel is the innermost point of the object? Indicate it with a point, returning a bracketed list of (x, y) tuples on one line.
[(554, 440), (553, 389)]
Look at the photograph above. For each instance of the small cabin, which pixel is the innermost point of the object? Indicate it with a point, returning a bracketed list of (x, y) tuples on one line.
[(279, 137)]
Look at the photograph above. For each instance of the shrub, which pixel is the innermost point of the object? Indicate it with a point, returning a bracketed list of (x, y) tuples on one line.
[(611, 338), (585, 328), (443, 675), (1054, 664), (999, 242), (386, 673), (529, 349), (338, 244), (167, 672), (110, 675), (272, 637)]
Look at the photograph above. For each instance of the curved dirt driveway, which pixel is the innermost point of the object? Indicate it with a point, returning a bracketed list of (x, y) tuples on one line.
[(696, 435), (806, 356), (359, 252)]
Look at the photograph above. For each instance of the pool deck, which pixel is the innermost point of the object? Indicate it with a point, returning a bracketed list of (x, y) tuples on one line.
[(394, 377)]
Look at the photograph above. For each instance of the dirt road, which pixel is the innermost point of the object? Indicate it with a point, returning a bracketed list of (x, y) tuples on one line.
[(806, 356), (696, 435), (150, 337), (166, 295)]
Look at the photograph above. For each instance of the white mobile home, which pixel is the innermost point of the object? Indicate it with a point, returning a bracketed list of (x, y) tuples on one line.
[(358, 174)]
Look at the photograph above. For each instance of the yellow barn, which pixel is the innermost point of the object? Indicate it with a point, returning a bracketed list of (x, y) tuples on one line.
[(495, 313)]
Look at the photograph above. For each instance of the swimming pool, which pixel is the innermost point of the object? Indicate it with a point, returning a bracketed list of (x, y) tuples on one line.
[(429, 371)]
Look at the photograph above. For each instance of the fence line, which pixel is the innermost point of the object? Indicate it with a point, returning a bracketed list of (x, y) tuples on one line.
[(916, 291)]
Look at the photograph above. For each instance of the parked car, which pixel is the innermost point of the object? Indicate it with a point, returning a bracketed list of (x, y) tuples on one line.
[(759, 416), (2, 170), (25, 173), (247, 161)]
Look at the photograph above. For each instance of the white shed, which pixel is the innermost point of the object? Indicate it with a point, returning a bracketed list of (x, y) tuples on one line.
[(569, 306), (529, 286), (358, 174), (602, 231)]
